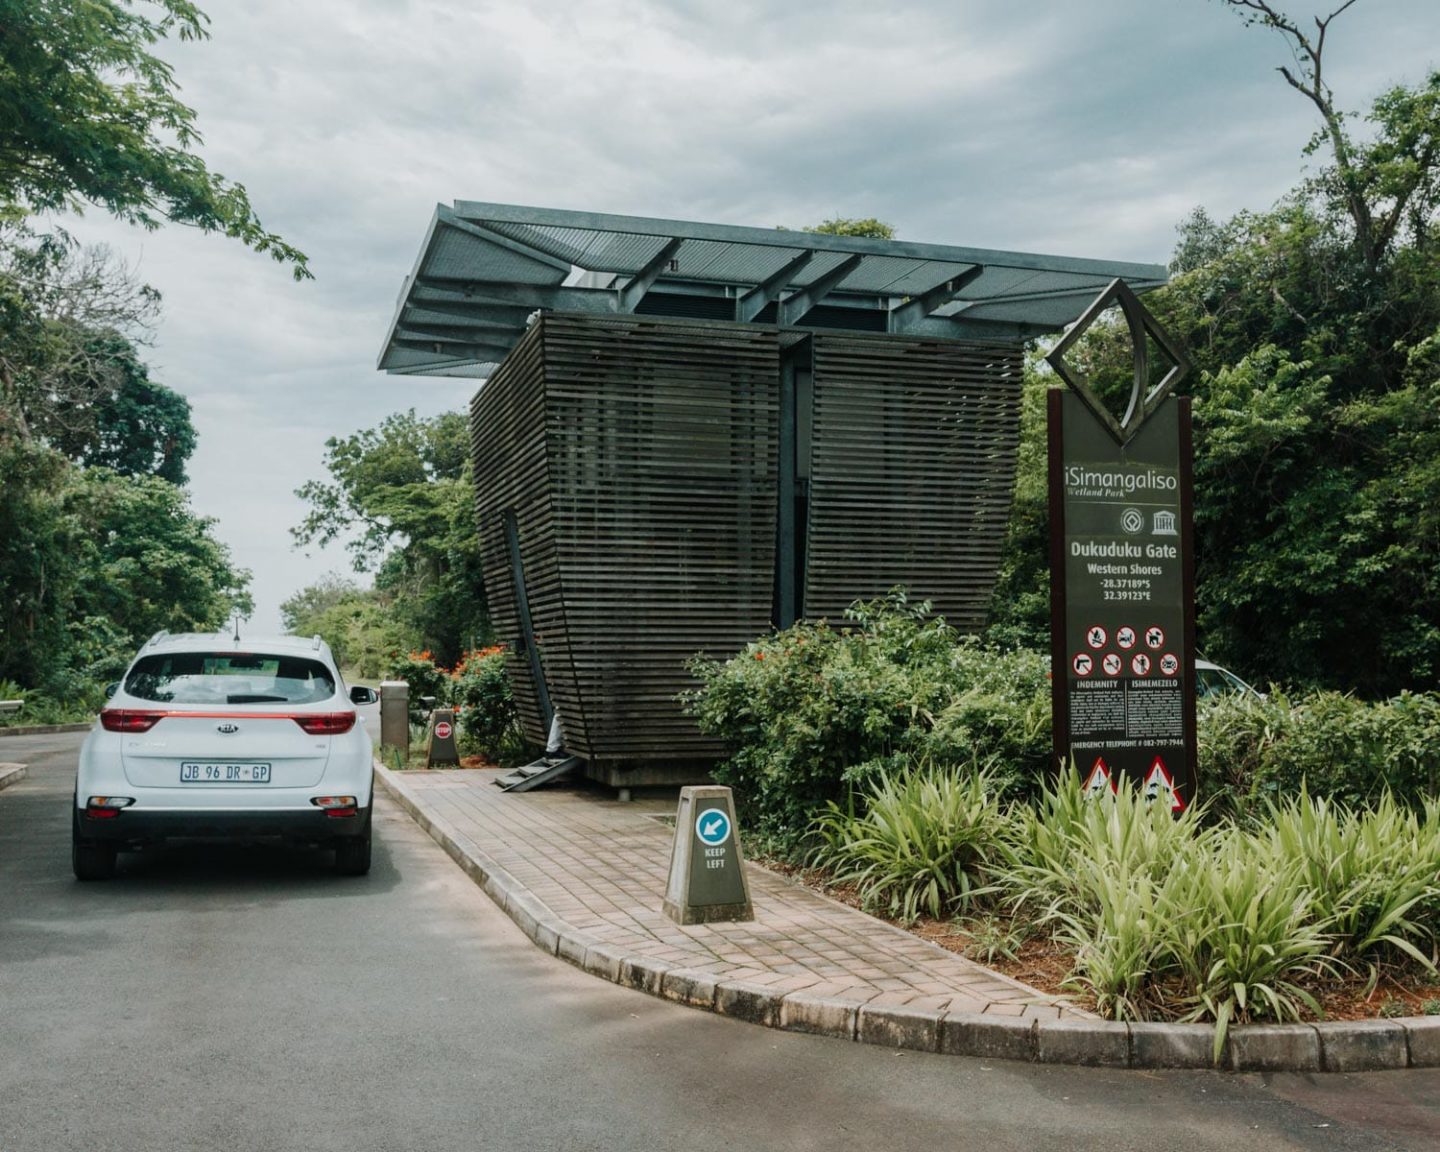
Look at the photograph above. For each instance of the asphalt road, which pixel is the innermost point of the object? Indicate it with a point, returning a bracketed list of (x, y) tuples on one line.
[(236, 999)]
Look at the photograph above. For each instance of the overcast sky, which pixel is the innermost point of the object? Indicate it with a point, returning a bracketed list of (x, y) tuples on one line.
[(1051, 126)]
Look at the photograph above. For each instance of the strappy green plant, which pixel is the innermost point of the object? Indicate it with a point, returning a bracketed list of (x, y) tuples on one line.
[(924, 840)]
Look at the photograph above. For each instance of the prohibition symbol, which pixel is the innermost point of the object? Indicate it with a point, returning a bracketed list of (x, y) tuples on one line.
[(1096, 637), (1140, 663), (1169, 664), (1125, 637), (1154, 637), (1083, 664), (1111, 664)]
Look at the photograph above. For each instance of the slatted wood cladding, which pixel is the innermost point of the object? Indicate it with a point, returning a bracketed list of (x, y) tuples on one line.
[(640, 459), (911, 471), (508, 451)]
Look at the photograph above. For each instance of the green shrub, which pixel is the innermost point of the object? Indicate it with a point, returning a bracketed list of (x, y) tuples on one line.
[(1243, 938), (924, 842), (1060, 850), (425, 678), (1347, 750), (480, 688), (814, 712), (1371, 874)]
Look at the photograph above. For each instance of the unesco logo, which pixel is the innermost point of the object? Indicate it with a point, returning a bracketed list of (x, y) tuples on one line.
[(1132, 520)]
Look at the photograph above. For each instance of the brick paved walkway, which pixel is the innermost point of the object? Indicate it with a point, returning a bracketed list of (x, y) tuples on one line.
[(600, 866)]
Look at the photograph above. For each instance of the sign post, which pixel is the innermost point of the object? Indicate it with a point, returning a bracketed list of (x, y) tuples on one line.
[(707, 872), (1122, 573)]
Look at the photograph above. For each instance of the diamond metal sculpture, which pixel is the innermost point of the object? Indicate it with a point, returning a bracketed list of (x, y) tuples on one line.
[(1141, 323)]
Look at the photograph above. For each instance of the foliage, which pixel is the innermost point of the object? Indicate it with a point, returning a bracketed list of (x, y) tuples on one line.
[(1244, 941), (922, 842), (1346, 750), (402, 498), (1386, 186), (359, 624), (815, 711), (427, 680), (92, 563), (480, 689), (89, 114), (843, 226), (131, 424), (1371, 872), (1178, 918)]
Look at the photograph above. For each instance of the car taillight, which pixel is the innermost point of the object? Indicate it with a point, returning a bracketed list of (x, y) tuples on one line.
[(326, 723), (128, 719)]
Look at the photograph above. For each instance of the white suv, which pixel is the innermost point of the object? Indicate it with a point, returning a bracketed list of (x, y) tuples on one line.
[(235, 739)]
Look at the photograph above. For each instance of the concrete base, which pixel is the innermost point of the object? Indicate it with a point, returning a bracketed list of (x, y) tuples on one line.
[(660, 774)]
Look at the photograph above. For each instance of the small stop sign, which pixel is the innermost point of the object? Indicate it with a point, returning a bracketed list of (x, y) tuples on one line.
[(442, 730)]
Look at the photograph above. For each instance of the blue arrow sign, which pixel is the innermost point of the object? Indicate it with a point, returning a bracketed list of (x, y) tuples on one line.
[(713, 827)]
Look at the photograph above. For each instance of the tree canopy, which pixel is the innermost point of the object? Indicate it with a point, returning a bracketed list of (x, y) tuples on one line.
[(89, 114), (402, 498), (1315, 331)]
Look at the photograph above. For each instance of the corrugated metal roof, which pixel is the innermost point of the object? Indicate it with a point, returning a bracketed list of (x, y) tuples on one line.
[(484, 268)]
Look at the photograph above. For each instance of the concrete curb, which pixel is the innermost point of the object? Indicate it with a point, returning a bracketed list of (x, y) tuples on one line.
[(1368, 1045), (11, 774), (43, 729)]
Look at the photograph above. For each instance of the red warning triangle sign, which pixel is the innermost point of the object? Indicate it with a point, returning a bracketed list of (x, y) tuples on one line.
[(1098, 780), (1160, 786)]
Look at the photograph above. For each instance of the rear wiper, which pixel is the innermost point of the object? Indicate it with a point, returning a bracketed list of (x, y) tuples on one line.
[(255, 699)]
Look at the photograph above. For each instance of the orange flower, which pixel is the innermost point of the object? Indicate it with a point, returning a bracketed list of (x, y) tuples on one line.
[(759, 655)]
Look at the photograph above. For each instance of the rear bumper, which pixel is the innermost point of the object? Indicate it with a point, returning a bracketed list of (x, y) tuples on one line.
[(149, 826)]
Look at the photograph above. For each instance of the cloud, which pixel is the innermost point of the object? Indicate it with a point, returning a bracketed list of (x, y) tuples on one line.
[(1085, 129)]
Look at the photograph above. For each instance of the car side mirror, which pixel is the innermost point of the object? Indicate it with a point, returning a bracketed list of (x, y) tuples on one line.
[(363, 696), (112, 688)]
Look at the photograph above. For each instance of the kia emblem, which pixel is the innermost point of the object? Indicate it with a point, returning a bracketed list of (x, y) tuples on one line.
[(228, 729)]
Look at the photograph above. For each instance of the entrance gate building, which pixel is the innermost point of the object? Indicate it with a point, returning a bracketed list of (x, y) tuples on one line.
[(689, 434)]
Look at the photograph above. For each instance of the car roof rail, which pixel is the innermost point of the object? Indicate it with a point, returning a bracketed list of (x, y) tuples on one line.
[(155, 639), (318, 641)]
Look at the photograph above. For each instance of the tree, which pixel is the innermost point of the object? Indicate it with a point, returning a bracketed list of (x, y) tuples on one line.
[(402, 494), (1317, 418), (135, 426), (89, 114), (91, 563), (361, 625), (146, 561), (1387, 187), (868, 227)]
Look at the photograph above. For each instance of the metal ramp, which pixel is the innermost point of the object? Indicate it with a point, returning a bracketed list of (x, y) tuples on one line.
[(538, 772)]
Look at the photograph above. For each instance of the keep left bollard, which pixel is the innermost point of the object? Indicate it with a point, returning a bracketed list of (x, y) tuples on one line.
[(707, 871)]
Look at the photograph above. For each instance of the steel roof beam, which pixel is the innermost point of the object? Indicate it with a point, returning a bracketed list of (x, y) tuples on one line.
[(905, 316), (452, 350), (499, 337), (750, 305), (629, 297), (793, 308)]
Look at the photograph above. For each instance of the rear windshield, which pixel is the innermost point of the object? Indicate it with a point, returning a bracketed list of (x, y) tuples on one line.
[(229, 678)]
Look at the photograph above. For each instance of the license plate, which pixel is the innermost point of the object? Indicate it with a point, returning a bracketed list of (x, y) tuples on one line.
[(210, 772)]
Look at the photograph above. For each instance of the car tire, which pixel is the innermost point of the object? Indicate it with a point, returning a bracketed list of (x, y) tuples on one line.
[(352, 855), (90, 859)]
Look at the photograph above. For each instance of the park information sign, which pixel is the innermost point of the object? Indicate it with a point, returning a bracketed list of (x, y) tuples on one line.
[(1122, 576)]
